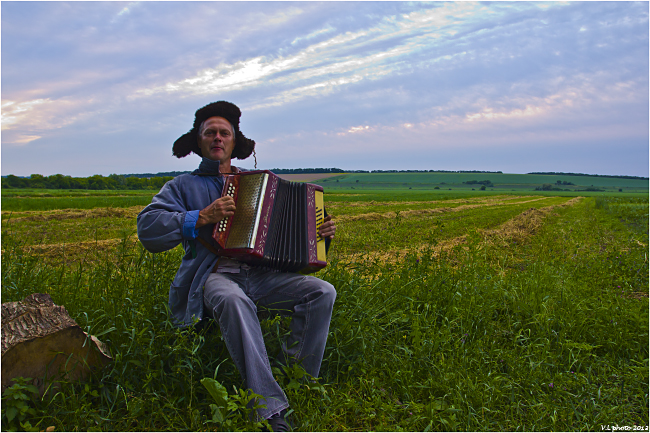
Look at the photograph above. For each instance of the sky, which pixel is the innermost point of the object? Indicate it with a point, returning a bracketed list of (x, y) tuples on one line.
[(107, 87)]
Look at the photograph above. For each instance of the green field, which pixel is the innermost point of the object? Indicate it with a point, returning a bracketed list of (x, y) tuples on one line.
[(456, 310), (501, 181)]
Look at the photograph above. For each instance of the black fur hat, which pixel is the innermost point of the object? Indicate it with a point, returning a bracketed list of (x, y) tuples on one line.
[(189, 142)]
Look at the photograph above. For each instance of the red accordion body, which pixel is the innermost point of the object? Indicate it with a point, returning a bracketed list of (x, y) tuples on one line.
[(276, 223)]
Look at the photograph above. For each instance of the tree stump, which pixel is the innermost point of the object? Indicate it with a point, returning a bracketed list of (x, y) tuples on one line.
[(41, 341)]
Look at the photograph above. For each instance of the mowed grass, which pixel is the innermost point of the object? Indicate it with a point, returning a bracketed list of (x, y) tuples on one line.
[(39, 200), (69, 226), (375, 231), (537, 320)]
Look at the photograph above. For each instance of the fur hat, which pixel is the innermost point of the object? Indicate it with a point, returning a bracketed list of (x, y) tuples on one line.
[(189, 142)]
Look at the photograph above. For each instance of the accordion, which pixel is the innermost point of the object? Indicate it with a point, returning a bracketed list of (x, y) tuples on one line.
[(276, 223)]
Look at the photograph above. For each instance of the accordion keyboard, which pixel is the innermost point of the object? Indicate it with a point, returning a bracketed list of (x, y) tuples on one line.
[(230, 192)]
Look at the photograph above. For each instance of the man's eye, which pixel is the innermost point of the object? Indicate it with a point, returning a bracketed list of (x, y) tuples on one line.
[(209, 132), (225, 133)]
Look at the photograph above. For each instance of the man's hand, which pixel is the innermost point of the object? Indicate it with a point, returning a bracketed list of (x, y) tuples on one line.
[(327, 229), (216, 211)]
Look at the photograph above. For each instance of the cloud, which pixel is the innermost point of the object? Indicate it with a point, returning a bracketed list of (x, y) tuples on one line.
[(12, 112), (327, 57), (24, 139), (313, 35), (355, 130), (27, 121), (366, 75), (126, 10)]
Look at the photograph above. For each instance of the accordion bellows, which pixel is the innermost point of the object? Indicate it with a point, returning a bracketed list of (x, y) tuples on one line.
[(276, 223)]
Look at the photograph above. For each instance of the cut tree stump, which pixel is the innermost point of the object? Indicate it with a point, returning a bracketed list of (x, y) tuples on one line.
[(41, 341)]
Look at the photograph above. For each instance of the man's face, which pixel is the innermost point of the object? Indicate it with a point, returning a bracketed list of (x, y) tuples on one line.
[(216, 140)]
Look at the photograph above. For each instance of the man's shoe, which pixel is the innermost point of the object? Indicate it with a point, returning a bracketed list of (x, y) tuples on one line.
[(278, 423)]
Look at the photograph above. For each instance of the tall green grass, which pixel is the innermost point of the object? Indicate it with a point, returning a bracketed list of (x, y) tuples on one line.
[(536, 336), (632, 211)]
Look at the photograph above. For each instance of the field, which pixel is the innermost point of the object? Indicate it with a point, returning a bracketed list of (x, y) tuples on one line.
[(501, 182), (456, 310)]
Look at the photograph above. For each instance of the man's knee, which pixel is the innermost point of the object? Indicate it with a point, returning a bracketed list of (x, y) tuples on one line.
[(326, 291), (329, 291)]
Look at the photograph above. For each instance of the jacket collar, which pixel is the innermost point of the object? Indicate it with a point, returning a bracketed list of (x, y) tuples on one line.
[(208, 167)]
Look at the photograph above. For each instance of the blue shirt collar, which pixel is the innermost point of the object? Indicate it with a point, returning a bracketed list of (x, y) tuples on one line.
[(208, 167)]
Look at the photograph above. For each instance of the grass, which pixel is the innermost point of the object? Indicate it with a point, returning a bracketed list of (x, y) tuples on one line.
[(385, 232), (456, 180), (40, 203), (545, 330), (70, 226)]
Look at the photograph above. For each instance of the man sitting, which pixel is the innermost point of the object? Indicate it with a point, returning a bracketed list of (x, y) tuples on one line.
[(184, 211)]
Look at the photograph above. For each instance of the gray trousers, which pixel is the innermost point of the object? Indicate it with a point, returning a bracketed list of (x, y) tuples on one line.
[(232, 300)]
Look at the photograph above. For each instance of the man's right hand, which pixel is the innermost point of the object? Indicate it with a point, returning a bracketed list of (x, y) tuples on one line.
[(219, 209)]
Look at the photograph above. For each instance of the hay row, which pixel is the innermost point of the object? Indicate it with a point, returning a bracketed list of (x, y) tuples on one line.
[(62, 214), (374, 216), (335, 205), (74, 250), (517, 229)]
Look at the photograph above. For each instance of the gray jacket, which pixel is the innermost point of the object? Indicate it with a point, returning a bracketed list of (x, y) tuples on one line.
[(171, 219)]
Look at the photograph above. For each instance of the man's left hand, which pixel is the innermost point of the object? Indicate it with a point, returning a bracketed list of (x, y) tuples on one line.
[(327, 229)]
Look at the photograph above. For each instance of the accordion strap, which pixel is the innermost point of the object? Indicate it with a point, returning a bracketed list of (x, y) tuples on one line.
[(210, 248)]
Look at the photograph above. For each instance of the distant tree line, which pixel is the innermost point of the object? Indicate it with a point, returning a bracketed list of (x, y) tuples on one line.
[(583, 174), (96, 182), (161, 174), (480, 182), (550, 187)]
